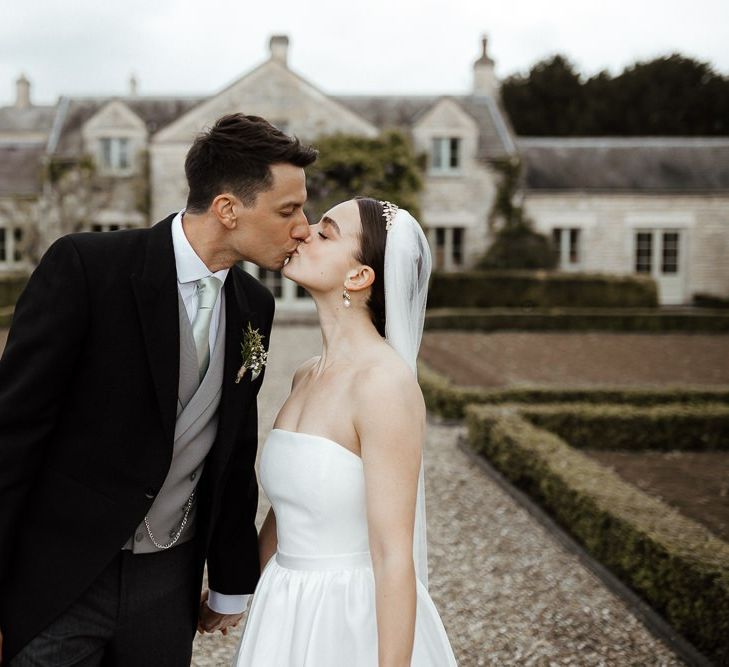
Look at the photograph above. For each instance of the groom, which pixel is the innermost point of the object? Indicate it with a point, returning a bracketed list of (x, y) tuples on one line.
[(127, 447)]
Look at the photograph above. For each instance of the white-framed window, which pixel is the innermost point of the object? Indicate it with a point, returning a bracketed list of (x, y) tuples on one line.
[(445, 155), (116, 153), (11, 246), (657, 252), (567, 243), (447, 244)]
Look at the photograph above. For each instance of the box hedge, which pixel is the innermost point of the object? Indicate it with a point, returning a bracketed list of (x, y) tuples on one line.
[(545, 289), (449, 401), (10, 288), (657, 320), (676, 564), (660, 427)]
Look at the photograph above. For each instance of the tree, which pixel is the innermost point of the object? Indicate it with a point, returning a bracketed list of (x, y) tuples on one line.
[(385, 167), (672, 95), (517, 245)]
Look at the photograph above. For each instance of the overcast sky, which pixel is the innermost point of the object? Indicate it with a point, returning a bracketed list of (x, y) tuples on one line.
[(90, 47)]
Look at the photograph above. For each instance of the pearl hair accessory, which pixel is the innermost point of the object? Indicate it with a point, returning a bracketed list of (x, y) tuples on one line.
[(389, 212)]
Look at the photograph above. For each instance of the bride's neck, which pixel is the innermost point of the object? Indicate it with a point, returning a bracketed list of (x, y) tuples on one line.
[(344, 331)]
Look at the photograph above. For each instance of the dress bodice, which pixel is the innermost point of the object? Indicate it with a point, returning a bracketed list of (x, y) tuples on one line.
[(317, 489)]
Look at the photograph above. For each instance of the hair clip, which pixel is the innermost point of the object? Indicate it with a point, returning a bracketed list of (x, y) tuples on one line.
[(389, 212)]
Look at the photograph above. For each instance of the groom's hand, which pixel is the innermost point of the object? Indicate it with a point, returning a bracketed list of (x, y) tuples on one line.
[(211, 621)]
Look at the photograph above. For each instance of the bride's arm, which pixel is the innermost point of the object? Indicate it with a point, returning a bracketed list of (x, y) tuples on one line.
[(267, 540), (390, 418)]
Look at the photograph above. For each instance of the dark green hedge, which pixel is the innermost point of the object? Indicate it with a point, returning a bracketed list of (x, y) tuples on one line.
[(10, 289), (710, 301), (677, 565), (6, 315), (578, 319), (544, 289), (662, 427), (448, 400)]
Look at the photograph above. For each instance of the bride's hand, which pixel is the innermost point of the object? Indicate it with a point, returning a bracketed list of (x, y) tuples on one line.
[(211, 621)]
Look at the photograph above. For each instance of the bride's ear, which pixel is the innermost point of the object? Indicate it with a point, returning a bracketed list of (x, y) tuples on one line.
[(360, 278)]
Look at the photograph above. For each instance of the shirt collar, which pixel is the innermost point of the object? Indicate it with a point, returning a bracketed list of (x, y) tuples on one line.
[(189, 265)]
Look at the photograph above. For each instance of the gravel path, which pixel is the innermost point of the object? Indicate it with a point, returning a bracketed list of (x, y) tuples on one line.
[(507, 592)]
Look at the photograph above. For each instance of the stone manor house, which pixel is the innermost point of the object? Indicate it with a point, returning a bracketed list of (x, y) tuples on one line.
[(656, 206)]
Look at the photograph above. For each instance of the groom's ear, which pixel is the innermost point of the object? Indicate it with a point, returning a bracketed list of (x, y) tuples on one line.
[(223, 208), (360, 278)]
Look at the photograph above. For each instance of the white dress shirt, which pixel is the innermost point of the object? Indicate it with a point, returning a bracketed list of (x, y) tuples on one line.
[(190, 269)]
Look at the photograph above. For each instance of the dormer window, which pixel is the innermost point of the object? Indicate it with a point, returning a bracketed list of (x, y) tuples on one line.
[(115, 154), (446, 155)]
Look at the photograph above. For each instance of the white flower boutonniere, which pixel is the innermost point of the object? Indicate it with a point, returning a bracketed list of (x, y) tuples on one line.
[(253, 353)]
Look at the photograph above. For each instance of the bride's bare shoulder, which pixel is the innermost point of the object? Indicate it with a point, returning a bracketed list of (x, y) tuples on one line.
[(303, 369), (388, 380)]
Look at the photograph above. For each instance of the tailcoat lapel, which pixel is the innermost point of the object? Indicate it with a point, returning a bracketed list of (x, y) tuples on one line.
[(155, 289)]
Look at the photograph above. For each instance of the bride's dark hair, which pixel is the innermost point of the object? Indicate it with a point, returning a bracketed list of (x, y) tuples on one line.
[(372, 253)]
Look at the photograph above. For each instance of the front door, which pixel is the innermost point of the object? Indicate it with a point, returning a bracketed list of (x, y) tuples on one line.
[(661, 253)]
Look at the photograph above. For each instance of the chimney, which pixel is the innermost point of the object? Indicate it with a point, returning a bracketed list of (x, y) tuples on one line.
[(133, 85), (22, 93), (484, 76), (279, 45)]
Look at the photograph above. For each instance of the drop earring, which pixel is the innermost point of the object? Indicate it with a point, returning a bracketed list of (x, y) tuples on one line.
[(346, 298)]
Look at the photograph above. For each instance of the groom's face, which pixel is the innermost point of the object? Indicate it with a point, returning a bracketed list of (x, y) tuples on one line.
[(271, 229)]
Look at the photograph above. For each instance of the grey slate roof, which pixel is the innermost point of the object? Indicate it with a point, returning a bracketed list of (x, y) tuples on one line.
[(20, 168), (156, 112), (32, 119), (400, 111), (641, 164)]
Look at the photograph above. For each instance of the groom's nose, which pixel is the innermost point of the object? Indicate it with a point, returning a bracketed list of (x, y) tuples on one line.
[(301, 230)]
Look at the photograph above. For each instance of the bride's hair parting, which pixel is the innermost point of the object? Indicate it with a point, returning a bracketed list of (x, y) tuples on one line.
[(372, 253)]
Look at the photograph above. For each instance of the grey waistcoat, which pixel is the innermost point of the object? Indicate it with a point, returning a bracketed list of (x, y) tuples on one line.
[(195, 431)]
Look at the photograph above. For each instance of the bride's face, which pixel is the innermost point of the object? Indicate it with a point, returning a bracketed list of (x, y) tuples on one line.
[(321, 262)]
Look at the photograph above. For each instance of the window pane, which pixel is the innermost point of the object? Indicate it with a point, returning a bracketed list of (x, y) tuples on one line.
[(3, 245), (18, 251), (669, 263), (123, 152), (574, 246), (437, 159), (272, 280), (301, 293), (106, 152), (643, 252), (97, 228), (458, 245), (455, 156)]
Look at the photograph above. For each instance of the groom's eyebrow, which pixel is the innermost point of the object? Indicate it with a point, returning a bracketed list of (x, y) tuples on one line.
[(327, 220)]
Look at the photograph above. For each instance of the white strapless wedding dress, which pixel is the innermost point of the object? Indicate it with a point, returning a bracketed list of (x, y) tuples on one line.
[(314, 605)]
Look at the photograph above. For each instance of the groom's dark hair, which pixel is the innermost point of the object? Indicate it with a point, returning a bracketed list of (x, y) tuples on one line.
[(235, 155)]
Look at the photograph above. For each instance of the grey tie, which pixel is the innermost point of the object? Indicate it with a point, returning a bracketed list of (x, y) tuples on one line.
[(207, 294)]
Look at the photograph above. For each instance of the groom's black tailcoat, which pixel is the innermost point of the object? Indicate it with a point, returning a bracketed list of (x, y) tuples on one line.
[(88, 402)]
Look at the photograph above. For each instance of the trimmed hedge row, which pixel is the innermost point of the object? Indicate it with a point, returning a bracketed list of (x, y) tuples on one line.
[(10, 288), (6, 316), (488, 289), (679, 566), (450, 401), (578, 319), (661, 427)]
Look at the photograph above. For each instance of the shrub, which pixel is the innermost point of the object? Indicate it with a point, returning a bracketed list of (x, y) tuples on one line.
[(494, 289), (449, 401), (679, 566), (10, 288), (577, 319), (661, 427)]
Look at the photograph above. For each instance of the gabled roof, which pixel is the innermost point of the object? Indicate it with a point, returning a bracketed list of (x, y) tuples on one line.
[(156, 112), (403, 111), (20, 168), (640, 164)]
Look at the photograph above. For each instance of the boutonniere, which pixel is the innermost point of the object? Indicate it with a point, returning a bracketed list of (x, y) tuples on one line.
[(253, 353)]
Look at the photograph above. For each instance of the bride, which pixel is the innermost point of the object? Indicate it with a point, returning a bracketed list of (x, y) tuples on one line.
[(345, 576)]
